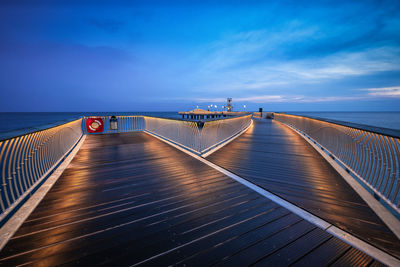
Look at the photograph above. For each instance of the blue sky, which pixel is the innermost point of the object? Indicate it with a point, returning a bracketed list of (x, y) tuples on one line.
[(153, 56)]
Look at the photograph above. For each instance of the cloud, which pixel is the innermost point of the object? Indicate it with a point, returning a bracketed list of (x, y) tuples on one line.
[(384, 92), (256, 60), (255, 99), (372, 94), (284, 99)]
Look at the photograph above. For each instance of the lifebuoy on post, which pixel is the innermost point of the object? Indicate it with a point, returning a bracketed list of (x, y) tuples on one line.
[(94, 125)]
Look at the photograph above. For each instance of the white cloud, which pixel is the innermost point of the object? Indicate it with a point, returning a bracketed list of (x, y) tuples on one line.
[(384, 91), (283, 99), (250, 61), (372, 93)]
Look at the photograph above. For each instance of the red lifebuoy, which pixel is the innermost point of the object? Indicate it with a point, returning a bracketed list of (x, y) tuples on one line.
[(94, 125)]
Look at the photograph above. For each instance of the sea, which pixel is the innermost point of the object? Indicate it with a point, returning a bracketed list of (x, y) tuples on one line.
[(17, 123), (389, 120)]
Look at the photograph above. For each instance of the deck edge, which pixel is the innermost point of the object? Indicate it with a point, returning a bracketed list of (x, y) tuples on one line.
[(368, 249)]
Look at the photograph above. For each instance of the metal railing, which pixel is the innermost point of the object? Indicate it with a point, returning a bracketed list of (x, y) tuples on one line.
[(125, 124), (27, 159), (374, 158), (201, 136), (196, 136), (184, 133), (218, 131)]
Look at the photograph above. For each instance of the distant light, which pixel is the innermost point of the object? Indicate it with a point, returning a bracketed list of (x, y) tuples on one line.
[(215, 106)]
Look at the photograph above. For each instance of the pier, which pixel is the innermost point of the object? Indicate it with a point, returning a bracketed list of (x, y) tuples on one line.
[(201, 114), (150, 191)]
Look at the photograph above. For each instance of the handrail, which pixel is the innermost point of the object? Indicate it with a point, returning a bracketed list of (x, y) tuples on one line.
[(374, 158), (369, 128), (218, 131), (196, 136), (27, 159), (5, 135), (184, 133)]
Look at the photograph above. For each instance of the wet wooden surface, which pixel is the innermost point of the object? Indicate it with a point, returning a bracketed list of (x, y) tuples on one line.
[(130, 199), (276, 158)]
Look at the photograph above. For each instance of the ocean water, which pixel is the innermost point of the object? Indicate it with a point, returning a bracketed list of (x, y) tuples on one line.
[(389, 120), (17, 123)]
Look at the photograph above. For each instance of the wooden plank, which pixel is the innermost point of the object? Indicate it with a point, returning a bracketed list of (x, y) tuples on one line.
[(295, 250), (325, 254), (269, 245), (212, 251)]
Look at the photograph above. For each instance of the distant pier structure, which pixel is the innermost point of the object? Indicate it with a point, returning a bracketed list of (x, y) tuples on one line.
[(201, 114), (229, 106), (198, 114)]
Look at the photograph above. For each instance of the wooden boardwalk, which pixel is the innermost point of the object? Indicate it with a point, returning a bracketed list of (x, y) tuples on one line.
[(130, 199), (276, 158)]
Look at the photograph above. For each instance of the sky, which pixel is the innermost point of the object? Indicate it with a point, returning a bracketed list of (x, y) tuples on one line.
[(153, 56)]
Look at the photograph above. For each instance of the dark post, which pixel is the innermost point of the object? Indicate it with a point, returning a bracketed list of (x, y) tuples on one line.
[(113, 123)]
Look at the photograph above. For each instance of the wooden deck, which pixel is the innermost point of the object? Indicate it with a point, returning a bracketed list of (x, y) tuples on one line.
[(130, 199), (276, 158)]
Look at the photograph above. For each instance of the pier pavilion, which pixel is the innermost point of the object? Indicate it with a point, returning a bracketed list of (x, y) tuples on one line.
[(137, 190), (201, 114)]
